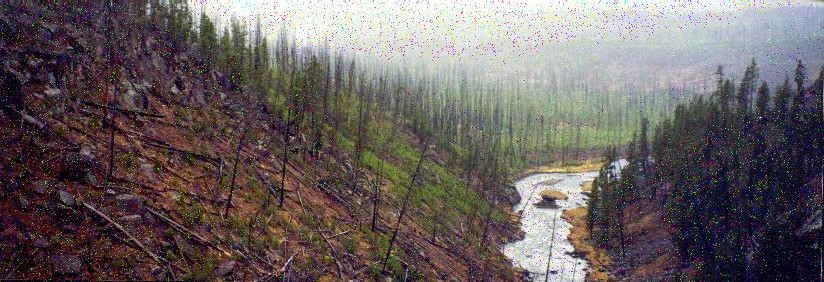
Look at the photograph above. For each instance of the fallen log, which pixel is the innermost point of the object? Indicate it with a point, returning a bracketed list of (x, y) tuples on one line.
[(27, 119), (334, 254), (125, 111), (155, 257), (182, 229), (197, 156)]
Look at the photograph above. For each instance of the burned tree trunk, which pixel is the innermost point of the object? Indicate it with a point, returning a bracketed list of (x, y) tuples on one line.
[(375, 206), (284, 160), (404, 205), (219, 175), (234, 172)]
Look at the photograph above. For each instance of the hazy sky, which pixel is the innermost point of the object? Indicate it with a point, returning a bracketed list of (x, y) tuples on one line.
[(470, 29), (617, 39)]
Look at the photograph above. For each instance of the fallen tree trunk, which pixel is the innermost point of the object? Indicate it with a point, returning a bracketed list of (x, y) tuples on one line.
[(125, 111)]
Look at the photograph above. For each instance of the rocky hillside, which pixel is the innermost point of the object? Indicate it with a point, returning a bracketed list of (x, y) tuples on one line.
[(124, 157)]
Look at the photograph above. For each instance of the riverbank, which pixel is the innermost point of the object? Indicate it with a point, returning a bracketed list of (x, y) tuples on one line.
[(580, 238), (589, 165)]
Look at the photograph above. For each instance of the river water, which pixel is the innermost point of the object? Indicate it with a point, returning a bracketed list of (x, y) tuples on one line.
[(532, 252)]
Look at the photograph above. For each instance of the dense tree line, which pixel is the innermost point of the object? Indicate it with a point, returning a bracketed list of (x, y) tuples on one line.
[(738, 176)]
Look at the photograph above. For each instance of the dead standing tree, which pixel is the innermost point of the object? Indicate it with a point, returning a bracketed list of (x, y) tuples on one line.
[(234, 173), (404, 205)]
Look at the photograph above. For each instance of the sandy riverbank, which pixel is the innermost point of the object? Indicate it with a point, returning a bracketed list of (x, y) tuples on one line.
[(580, 239)]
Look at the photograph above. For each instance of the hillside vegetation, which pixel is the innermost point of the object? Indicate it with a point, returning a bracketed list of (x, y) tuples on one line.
[(139, 144)]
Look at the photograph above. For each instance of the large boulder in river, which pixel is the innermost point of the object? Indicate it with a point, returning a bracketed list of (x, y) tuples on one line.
[(549, 198), (510, 193)]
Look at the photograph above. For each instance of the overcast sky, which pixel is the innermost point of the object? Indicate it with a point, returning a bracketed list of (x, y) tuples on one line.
[(471, 29), (522, 36)]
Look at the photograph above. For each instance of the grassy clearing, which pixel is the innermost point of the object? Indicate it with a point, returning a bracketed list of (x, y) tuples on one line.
[(394, 159), (585, 166)]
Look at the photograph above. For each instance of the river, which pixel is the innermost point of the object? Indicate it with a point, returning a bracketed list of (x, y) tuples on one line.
[(532, 252)]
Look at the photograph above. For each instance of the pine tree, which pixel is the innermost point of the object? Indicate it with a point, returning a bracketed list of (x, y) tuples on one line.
[(762, 103), (208, 39)]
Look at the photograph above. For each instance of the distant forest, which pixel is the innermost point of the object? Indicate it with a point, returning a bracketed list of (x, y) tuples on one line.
[(555, 120)]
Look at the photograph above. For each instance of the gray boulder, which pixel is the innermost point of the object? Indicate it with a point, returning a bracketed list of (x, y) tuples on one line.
[(66, 198), (225, 268), (128, 203), (131, 222), (66, 264), (75, 166)]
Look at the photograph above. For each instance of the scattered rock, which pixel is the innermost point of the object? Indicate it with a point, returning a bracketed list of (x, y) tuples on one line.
[(149, 218), (24, 203), (437, 179), (131, 222), (41, 243), (184, 246), (148, 172), (11, 236), (91, 179), (128, 203), (811, 225), (158, 273), (75, 166), (223, 200), (44, 207), (68, 228), (8, 187), (66, 198), (107, 245), (553, 195), (419, 181), (66, 264), (66, 214), (200, 99), (175, 195), (131, 98), (550, 182), (225, 268)]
